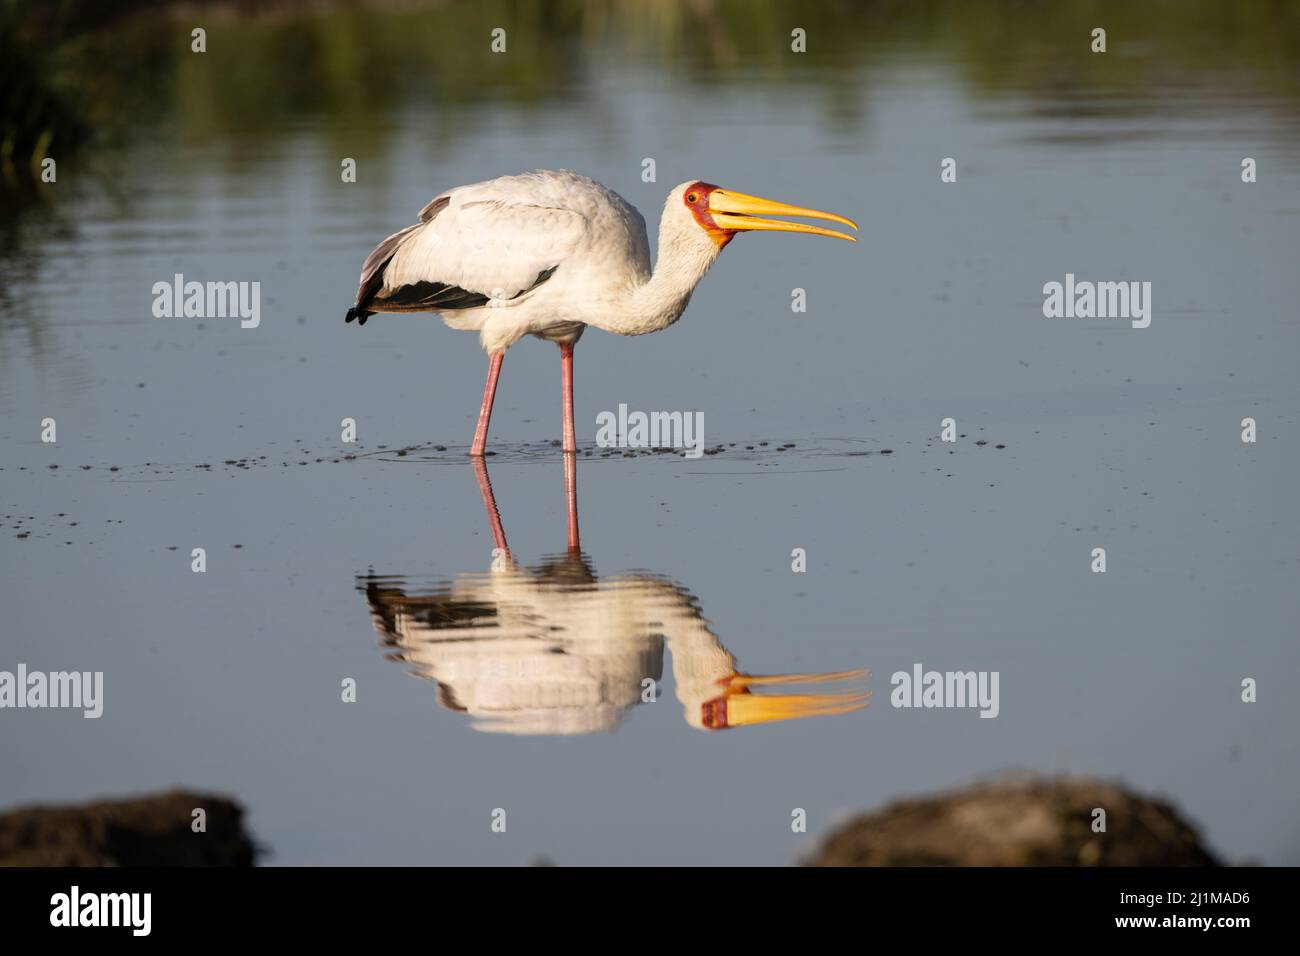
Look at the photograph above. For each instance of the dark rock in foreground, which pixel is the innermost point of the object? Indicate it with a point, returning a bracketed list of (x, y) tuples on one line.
[(141, 831), (1018, 822)]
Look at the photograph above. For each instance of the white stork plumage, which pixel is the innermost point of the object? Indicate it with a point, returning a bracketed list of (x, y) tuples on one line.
[(549, 253)]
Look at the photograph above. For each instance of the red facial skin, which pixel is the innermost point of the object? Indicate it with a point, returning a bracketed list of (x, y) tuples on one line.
[(713, 714), (700, 210)]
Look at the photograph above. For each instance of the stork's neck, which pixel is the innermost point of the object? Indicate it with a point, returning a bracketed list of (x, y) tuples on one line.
[(659, 301)]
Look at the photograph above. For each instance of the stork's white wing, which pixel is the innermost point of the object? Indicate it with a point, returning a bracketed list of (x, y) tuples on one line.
[(486, 243)]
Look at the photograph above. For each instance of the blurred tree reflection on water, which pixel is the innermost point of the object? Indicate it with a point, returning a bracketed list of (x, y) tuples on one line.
[(349, 66)]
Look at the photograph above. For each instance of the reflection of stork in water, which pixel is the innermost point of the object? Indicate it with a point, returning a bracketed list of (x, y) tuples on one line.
[(555, 650)]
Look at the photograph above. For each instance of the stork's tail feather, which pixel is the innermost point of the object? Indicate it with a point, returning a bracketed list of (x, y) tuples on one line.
[(359, 314)]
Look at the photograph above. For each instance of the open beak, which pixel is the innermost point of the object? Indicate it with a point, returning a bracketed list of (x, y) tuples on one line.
[(739, 212)]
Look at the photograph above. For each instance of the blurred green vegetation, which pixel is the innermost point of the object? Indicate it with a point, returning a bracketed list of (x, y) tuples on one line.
[(39, 110), (121, 67), (351, 63)]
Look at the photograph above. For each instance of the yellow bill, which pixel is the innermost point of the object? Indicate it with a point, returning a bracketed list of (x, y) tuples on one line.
[(740, 212)]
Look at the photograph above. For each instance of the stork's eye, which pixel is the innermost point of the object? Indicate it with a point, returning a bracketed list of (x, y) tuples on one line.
[(692, 197)]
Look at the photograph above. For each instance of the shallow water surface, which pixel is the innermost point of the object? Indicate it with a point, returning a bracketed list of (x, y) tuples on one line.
[(326, 559)]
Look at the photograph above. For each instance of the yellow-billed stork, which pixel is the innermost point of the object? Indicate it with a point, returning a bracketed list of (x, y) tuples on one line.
[(549, 253)]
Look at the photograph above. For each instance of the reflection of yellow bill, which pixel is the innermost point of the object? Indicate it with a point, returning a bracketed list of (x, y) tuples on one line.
[(739, 707)]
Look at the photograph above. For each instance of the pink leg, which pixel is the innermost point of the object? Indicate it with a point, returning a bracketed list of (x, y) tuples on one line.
[(571, 498), (566, 369), (485, 413)]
